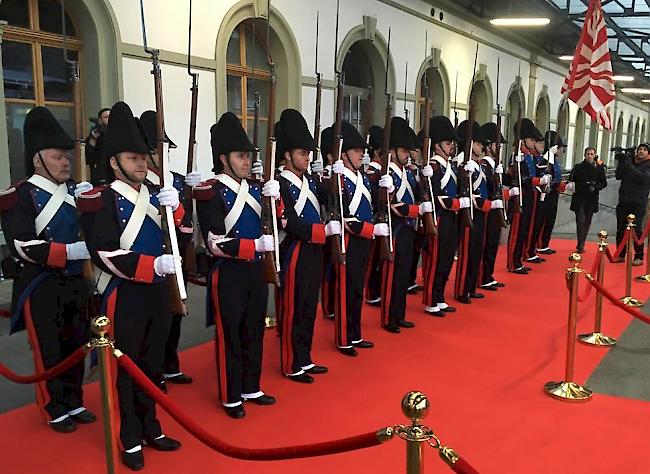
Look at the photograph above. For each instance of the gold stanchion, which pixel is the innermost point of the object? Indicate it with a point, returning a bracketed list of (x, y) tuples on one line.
[(629, 256), (597, 338), (568, 390), (104, 347), (415, 405), (646, 277)]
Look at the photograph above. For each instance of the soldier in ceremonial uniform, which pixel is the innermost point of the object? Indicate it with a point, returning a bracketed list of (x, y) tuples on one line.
[(540, 191), (405, 209), (441, 252), (301, 251), (50, 294), (373, 172), (328, 289), (123, 230), (229, 212), (171, 366)]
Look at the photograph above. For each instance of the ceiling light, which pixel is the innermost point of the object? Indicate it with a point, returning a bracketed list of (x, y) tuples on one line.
[(623, 78), (520, 21), (647, 101), (566, 57), (635, 90)]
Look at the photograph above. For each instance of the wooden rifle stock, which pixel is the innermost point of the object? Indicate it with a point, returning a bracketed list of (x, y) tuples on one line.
[(383, 212), (497, 178), (338, 252), (428, 223), (189, 259), (269, 218)]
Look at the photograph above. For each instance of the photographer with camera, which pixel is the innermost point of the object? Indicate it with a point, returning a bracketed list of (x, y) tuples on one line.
[(587, 180), (95, 148), (633, 170)]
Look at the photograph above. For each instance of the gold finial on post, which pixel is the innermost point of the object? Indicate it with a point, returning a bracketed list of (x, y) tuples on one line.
[(628, 299), (630, 220), (415, 405)]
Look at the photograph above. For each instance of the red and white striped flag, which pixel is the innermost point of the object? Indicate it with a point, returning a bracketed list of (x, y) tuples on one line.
[(589, 81)]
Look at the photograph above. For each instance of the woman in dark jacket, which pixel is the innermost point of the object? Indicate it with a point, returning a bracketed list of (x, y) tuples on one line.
[(588, 178)]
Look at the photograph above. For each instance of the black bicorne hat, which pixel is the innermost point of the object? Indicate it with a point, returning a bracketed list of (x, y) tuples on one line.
[(292, 132), (40, 132), (552, 138), (226, 136), (400, 134), (326, 142), (490, 133), (528, 130), (417, 141), (475, 133), (124, 133), (376, 140), (148, 119), (351, 137), (441, 129)]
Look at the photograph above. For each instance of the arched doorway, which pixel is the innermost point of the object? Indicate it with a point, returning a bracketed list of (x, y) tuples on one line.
[(515, 108), (437, 79), (593, 134), (563, 120), (643, 137), (360, 88), (480, 97), (579, 140), (636, 132), (543, 114), (630, 133), (618, 140)]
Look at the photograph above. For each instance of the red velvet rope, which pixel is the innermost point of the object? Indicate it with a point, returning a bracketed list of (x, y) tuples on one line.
[(197, 281), (628, 309), (594, 269), (353, 443), (619, 249), (4, 313), (462, 467), (640, 240), (48, 374)]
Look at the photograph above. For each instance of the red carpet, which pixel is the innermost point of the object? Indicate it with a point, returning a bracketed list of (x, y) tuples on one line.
[(483, 369)]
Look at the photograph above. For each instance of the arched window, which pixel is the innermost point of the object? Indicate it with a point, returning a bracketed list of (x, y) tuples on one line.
[(636, 132), (359, 87), (433, 77), (643, 137), (515, 108), (630, 133), (543, 114), (593, 134), (481, 100), (249, 76), (563, 120), (35, 72), (579, 140), (618, 141)]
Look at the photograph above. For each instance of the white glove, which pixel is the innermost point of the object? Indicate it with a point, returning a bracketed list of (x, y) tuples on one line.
[(366, 159), (471, 166), (514, 191), (497, 204), (570, 186), (519, 158), (380, 230), (499, 169), (81, 188), (427, 171), (77, 251), (426, 207), (333, 228), (554, 149), (168, 196), (317, 166), (386, 181), (546, 179), (464, 202), (338, 167), (264, 244), (193, 179), (164, 265), (271, 189), (258, 168)]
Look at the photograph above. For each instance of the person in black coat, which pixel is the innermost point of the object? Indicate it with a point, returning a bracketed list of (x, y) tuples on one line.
[(588, 180)]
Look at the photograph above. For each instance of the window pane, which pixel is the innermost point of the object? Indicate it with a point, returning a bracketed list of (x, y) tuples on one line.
[(15, 119), (65, 116), (15, 12), (55, 74), (262, 88), (49, 17), (234, 95), (232, 54), (18, 71), (261, 136), (255, 51)]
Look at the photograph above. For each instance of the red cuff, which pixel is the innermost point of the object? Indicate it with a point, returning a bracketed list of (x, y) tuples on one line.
[(487, 205), (414, 211), (367, 231), (537, 181), (506, 194), (317, 234), (144, 271), (57, 256), (280, 207), (455, 204), (179, 213), (562, 186), (246, 249)]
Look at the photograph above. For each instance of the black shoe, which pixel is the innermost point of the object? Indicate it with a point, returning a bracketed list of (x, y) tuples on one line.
[(580, 250), (163, 444), (363, 344), (163, 386), (449, 309), (301, 378), (374, 301), (235, 412), (405, 324), (434, 311), (464, 299), (316, 370), (348, 351), (329, 317), (134, 461), (391, 328), (180, 379), (85, 417), (489, 288), (535, 260), (546, 251), (519, 271), (413, 289), (498, 284), (477, 296), (66, 425), (262, 400)]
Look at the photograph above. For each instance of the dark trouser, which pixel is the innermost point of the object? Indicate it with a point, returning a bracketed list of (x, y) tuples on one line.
[(583, 222), (417, 248), (171, 365), (395, 277), (622, 210), (469, 256), (519, 233), (55, 317), (301, 281), (491, 245), (536, 223), (239, 326), (356, 258), (549, 215), (141, 327), (328, 283), (373, 289), (447, 245)]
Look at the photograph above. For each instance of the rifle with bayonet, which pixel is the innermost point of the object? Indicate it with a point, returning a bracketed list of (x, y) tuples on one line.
[(464, 178), (256, 113), (498, 185), (383, 207), (518, 203), (406, 80), (176, 284), (319, 91), (456, 102), (429, 220)]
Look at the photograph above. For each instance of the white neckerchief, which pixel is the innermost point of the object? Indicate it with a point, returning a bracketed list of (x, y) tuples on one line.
[(59, 195), (404, 186), (477, 182), (142, 208), (449, 173), (490, 161), (305, 191), (360, 190), (243, 198)]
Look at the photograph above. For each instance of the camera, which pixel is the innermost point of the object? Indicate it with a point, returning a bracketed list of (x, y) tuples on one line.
[(623, 153)]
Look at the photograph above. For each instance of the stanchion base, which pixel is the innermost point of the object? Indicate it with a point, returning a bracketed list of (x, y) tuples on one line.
[(645, 278), (269, 322), (567, 391), (629, 301), (597, 339)]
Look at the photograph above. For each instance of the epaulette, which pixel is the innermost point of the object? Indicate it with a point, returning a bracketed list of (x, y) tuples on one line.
[(91, 201), (204, 191)]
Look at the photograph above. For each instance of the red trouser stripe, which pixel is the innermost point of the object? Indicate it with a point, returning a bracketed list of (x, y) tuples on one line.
[(387, 269), (219, 340), (461, 264), (531, 228), (512, 240), (42, 395), (430, 271), (288, 308)]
